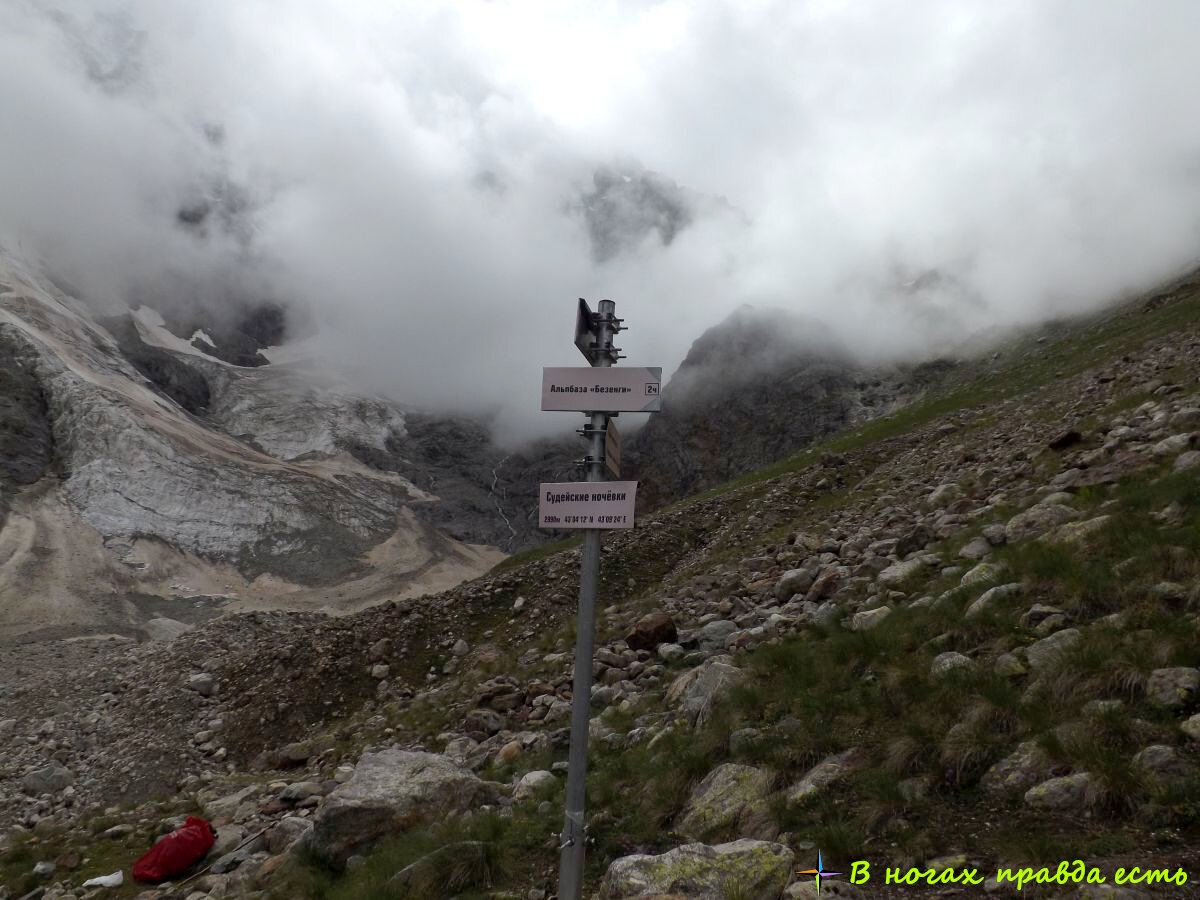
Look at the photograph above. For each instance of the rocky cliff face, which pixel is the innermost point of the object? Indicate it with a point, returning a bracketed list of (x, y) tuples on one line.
[(760, 386), (137, 464)]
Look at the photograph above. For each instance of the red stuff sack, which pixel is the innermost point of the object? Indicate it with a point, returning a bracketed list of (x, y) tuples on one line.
[(174, 853)]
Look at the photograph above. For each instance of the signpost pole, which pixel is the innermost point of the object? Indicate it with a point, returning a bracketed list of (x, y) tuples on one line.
[(570, 874)]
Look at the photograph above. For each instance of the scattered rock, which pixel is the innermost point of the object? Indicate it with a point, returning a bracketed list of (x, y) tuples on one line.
[(1062, 793), (1160, 763), (287, 831), (991, 596), (697, 693), (976, 548), (983, 573), (943, 495), (1049, 649), (758, 869), (898, 573), (794, 581), (869, 618), (392, 790), (713, 635), (51, 779), (1172, 687), (824, 774), (651, 630), (1065, 439), (1038, 520), (534, 784), (1077, 532), (948, 662), (1191, 727), (1009, 665), (203, 684), (1021, 770), (1187, 461), (731, 796)]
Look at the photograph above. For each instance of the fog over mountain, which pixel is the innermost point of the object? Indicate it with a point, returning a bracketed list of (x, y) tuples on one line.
[(429, 186)]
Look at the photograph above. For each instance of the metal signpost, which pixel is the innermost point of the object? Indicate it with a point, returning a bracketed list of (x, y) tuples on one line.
[(594, 508)]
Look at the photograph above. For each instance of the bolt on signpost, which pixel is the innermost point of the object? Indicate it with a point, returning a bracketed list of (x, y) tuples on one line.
[(600, 392)]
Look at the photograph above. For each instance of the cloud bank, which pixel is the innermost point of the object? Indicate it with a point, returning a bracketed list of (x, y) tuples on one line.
[(422, 177)]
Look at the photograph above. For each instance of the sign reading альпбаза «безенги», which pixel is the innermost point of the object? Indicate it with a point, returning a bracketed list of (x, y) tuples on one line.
[(611, 390)]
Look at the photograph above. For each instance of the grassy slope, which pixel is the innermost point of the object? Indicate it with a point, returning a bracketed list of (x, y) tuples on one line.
[(819, 694)]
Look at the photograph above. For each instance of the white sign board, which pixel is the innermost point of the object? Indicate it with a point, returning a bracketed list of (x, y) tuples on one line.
[(587, 504), (583, 389)]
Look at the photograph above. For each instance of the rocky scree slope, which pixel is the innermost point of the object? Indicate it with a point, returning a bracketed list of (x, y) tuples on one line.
[(962, 634)]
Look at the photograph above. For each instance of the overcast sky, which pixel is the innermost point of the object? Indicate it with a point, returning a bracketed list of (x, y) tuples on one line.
[(413, 172)]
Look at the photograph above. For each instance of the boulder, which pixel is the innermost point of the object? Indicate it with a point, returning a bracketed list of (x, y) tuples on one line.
[(392, 790), (535, 784), (948, 662), (1065, 439), (1063, 793), (991, 596), (1161, 763), (286, 832), (1049, 649), (300, 790), (1173, 687), (1187, 461), (1171, 446), (671, 652), (1009, 666), (823, 774), (51, 779), (982, 574), (1038, 520), (943, 495), (807, 890), (756, 870), (1077, 532), (1191, 727), (731, 796), (794, 581), (976, 548), (869, 618), (916, 539), (652, 629), (698, 693), (1021, 770), (203, 684), (485, 722), (898, 573), (1109, 892), (713, 635)]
